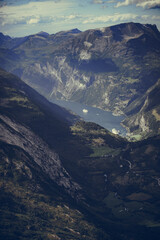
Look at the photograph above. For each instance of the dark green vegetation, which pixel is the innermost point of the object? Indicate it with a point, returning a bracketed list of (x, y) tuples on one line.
[(114, 68), (67, 179)]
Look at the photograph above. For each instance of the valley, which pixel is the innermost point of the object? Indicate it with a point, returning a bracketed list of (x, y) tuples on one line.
[(91, 114), (57, 170), (113, 68), (63, 178)]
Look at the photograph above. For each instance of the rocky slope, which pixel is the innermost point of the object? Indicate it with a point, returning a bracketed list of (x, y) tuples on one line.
[(108, 67), (71, 181), (144, 114), (33, 207), (19, 113), (38, 196)]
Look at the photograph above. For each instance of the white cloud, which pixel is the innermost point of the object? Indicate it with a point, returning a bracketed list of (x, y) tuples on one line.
[(102, 1), (71, 17), (97, 1), (145, 17), (33, 12), (127, 2), (156, 18), (140, 3), (5, 20), (113, 18), (21, 2), (149, 4), (33, 20)]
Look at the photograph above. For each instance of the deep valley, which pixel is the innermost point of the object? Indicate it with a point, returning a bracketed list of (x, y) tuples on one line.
[(114, 68), (63, 178)]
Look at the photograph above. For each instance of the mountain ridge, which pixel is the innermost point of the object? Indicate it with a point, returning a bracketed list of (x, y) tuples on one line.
[(108, 67)]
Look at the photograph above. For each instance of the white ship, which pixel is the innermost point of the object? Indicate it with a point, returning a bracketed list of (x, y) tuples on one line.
[(85, 110)]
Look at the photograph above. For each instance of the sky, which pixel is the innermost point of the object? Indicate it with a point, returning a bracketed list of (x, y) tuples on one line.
[(20, 18)]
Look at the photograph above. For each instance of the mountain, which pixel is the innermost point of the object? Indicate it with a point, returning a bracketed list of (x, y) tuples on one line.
[(23, 113), (9, 43), (62, 178), (38, 196), (111, 68), (4, 38), (44, 34), (144, 113)]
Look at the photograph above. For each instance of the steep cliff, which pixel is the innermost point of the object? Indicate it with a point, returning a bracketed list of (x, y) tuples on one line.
[(22, 125), (144, 114)]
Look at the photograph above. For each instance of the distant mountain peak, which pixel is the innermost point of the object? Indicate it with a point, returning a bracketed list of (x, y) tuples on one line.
[(71, 31), (44, 34), (75, 30), (132, 25), (4, 37)]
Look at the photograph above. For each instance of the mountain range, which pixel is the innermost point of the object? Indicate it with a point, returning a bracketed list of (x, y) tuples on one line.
[(113, 68), (63, 178)]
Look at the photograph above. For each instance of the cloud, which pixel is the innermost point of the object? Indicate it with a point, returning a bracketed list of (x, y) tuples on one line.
[(145, 17), (5, 20), (70, 17), (127, 3), (111, 18), (148, 4), (102, 1), (33, 12), (156, 18), (21, 2), (97, 1), (33, 21)]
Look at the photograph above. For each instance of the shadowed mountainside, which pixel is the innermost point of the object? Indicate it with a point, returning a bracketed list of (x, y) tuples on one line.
[(60, 180)]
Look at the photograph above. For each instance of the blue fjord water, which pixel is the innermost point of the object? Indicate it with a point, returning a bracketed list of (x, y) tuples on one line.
[(103, 118)]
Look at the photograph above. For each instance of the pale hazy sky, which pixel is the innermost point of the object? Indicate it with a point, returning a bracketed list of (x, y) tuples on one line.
[(24, 17)]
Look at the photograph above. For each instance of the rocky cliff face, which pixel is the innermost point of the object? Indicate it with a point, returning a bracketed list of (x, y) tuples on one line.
[(144, 113), (20, 136), (19, 133), (32, 206), (101, 67)]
